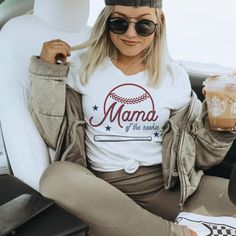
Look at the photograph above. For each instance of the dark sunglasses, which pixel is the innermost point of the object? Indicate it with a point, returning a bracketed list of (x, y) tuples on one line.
[(119, 25)]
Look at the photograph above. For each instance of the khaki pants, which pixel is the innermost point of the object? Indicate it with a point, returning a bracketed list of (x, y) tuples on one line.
[(121, 204)]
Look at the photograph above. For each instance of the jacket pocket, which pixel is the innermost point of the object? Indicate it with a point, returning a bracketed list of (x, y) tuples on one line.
[(49, 98)]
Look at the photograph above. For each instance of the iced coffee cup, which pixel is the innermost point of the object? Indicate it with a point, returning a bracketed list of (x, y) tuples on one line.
[(221, 101)]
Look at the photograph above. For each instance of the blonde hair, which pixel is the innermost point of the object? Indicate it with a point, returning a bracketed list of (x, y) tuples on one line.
[(156, 57)]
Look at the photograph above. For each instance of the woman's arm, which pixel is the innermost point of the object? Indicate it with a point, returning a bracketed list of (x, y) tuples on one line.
[(211, 146), (48, 90), (47, 98)]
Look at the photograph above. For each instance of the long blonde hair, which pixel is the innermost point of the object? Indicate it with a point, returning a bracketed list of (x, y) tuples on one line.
[(99, 46)]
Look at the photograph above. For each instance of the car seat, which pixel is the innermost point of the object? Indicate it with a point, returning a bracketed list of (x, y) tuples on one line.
[(232, 186), (13, 8), (20, 38)]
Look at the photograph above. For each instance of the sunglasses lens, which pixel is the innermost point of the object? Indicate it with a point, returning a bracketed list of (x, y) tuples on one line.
[(117, 25), (145, 27)]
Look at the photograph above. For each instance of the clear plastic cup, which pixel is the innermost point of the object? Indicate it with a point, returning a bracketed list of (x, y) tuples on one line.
[(221, 101)]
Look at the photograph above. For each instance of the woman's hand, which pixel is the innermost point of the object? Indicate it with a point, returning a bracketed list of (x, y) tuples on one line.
[(192, 233), (55, 50)]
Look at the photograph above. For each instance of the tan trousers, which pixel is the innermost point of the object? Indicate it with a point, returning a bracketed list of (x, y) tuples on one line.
[(120, 204)]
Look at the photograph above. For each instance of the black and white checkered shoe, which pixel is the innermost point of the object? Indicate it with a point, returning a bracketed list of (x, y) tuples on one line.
[(208, 226)]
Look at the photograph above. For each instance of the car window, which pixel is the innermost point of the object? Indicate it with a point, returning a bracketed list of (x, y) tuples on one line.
[(202, 31), (95, 8)]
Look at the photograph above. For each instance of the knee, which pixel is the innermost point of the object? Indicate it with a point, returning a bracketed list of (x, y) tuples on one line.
[(59, 175)]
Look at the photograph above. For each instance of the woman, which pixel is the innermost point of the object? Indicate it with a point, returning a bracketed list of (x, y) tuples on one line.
[(145, 138)]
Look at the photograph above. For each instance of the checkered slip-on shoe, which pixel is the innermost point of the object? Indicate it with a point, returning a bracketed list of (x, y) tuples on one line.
[(208, 225)]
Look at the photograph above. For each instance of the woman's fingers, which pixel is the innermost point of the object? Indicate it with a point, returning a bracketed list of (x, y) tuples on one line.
[(59, 44), (52, 48), (52, 53)]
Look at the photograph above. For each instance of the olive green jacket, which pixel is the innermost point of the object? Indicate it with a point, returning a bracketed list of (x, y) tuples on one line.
[(188, 145)]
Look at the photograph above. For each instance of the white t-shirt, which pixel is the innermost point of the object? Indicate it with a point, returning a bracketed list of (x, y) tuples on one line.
[(125, 116)]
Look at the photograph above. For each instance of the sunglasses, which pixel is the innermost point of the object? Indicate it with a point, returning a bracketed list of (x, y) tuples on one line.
[(143, 27)]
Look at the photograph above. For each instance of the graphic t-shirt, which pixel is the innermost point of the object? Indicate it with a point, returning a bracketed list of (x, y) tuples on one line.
[(125, 116)]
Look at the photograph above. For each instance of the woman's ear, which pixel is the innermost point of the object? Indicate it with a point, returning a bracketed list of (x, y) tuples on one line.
[(161, 19), (162, 16)]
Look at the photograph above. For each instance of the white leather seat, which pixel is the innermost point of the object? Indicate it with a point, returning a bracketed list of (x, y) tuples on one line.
[(21, 38)]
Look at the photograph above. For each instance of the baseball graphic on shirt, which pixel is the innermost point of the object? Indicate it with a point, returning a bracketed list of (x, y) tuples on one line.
[(124, 104), (128, 103)]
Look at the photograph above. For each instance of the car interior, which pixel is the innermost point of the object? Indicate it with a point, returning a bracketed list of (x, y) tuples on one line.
[(24, 26), (31, 30)]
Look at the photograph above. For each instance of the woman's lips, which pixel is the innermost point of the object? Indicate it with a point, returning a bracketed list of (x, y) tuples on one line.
[(130, 42)]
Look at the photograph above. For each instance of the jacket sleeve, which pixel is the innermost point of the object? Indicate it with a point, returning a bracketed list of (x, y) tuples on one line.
[(46, 102), (211, 146)]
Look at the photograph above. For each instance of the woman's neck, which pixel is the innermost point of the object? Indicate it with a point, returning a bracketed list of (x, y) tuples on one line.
[(66, 15), (130, 65)]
